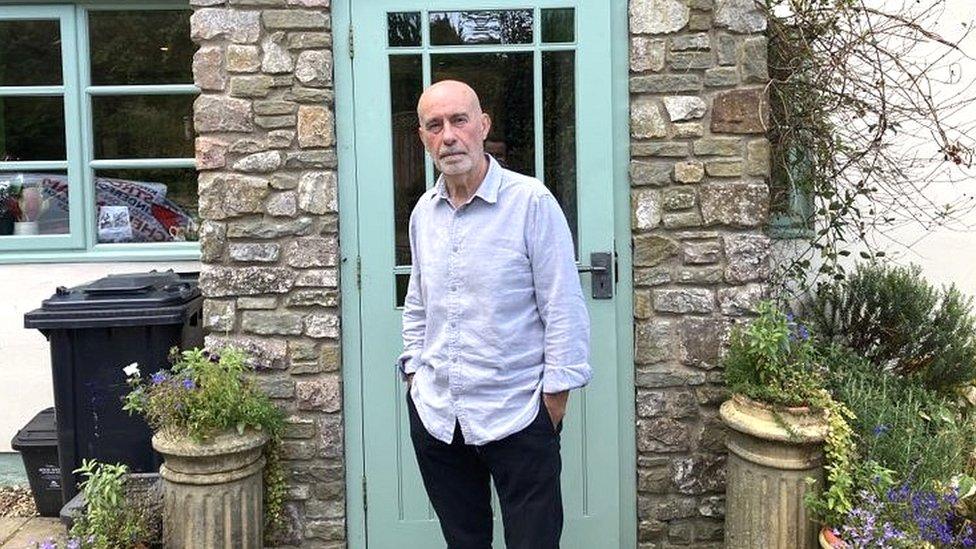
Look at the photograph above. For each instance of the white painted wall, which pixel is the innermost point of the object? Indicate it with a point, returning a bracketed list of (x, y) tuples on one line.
[(25, 363)]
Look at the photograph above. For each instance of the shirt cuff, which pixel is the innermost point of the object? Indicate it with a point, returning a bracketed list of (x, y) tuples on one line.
[(556, 379), (407, 363)]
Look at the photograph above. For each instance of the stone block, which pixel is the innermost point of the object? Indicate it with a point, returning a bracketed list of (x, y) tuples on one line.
[(666, 83), (222, 114), (243, 59), (699, 474), (652, 249), (309, 40), (671, 403), (264, 228), (660, 148), (653, 342), (724, 168), (271, 323), (740, 300), (663, 435), (691, 171), (219, 315), (262, 162), (646, 54), (247, 303), (258, 252), (275, 386), (277, 59), (312, 251), (703, 252), (683, 300), (324, 394), (292, 19), (284, 204), (213, 237), (655, 276), (681, 108), (722, 77), (695, 41), (208, 68), (758, 158), (317, 192), (741, 16), (718, 146), (240, 27), (646, 172), (224, 195), (646, 120), (313, 298), (219, 281), (702, 341), (646, 205), (688, 129), (211, 153), (322, 325), (317, 278), (314, 68), (679, 198), (691, 60), (698, 275), (315, 127), (743, 111), (737, 204), (755, 67), (262, 353), (658, 16), (682, 220), (250, 85), (748, 257)]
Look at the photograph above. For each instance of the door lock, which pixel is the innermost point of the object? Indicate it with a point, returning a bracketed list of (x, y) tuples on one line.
[(601, 271)]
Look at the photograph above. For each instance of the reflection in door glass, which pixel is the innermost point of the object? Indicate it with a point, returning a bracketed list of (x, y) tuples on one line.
[(503, 82), (558, 25), (403, 29), (559, 130), (406, 84), (480, 27)]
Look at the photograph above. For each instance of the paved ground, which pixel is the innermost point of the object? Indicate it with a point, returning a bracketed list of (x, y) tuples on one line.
[(21, 533)]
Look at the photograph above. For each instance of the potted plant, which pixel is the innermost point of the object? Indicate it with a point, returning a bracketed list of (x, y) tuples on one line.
[(220, 440), (21, 205), (780, 421)]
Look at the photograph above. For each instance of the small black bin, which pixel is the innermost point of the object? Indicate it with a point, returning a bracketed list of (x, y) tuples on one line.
[(95, 330), (37, 443)]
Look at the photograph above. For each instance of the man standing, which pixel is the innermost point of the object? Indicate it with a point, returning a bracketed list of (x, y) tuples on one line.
[(495, 334)]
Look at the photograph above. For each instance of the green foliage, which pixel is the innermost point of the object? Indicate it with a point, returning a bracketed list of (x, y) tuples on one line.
[(772, 359), (901, 425), (108, 522), (205, 394), (898, 321)]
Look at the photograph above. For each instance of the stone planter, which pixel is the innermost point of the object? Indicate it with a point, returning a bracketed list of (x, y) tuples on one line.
[(768, 469), (213, 492)]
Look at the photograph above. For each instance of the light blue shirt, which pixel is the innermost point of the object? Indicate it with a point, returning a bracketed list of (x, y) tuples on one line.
[(494, 312)]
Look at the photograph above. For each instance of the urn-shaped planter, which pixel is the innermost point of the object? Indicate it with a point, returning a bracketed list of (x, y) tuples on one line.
[(212, 491), (772, 453)]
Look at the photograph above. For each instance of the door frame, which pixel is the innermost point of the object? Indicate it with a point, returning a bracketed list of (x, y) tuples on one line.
[(349, 244)]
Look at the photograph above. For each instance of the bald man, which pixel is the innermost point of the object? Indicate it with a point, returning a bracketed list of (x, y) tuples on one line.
[(495, 334)]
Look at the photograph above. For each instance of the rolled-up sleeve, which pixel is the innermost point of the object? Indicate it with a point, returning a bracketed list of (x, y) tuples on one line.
[(559, 297), (414, 312)]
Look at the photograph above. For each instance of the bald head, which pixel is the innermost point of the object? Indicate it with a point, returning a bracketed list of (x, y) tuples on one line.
[(453, 90), (453, 128)]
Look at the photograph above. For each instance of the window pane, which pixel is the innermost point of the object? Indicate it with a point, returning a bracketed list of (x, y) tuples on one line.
[(148, 126), (30, 53), (403, 29), (480, 27), (559, 130), (503, 82), (406, 84), (558, 25), (33, 203), (155, 205), (32, 128), (140, 47)]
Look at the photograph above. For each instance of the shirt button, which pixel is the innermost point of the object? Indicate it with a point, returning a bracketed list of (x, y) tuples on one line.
[(454, 288), (453, 324)]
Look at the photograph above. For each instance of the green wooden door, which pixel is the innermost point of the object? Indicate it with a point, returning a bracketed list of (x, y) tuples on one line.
[(542, 71)]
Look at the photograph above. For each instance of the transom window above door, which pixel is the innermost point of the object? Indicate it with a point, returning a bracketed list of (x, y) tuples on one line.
[(522, 64), (96, 131)]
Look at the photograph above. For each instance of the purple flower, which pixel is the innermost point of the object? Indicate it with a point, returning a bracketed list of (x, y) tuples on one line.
[(48, 544), (158, 377), (74, 543), (881, 429), (188, 384), (803, 332)]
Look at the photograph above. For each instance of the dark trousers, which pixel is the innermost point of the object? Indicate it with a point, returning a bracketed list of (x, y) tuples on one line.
[(525, 467)]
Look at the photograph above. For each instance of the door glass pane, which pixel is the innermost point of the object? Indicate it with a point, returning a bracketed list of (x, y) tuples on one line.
[(33, 203), (148, 126), (558, 25), (480, 27), (406, 84), (559, 130), (140, 47), (152, 205), (403, 29), (504, 83), (32, 128), (30, 53)]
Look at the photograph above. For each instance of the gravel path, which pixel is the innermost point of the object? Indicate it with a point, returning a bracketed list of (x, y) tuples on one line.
[(16, 501)]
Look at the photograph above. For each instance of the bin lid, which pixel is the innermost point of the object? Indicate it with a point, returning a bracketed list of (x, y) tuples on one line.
[(154, 297), (40, 431)]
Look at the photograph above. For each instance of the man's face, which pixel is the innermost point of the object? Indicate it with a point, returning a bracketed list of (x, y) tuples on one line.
[(453, 128)]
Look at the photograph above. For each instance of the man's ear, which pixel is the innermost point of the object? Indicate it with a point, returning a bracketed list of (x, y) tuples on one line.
[(486, 125)]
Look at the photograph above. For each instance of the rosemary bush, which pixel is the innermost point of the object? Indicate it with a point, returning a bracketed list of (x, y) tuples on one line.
[(900, 323)]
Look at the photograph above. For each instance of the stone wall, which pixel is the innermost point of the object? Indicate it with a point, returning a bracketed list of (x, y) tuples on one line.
[(698, 171), (267, 160)]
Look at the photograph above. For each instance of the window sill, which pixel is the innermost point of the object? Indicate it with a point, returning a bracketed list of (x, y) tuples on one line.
[(106, 253)]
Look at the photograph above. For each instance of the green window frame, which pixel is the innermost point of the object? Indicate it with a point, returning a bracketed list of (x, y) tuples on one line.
[(81, 242)]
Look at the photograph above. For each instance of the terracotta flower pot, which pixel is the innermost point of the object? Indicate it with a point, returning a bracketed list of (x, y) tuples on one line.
[(772, 453), (213, 492), (829, 540)]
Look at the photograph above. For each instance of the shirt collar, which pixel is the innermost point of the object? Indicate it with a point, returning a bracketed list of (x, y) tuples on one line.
[(487, 191)]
